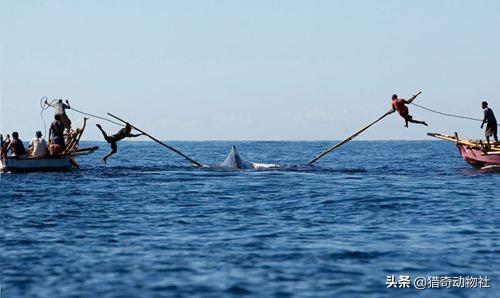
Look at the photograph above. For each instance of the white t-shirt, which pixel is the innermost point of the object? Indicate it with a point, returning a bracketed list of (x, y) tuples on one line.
[(60, 108), (39, 147)]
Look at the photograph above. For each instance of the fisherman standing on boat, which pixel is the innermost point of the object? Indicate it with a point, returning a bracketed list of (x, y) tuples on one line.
[(491, 123), (56, 136), (16, 146), (120, 135), (60, 109), (399, 105)]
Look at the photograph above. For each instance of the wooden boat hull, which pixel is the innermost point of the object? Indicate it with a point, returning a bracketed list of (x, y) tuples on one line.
[(477, 157), (63, 163), (476, 152)]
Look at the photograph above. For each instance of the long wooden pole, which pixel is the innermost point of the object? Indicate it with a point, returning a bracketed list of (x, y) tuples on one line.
[(414, 96), (348, 139), (160, 142), (356, 133)]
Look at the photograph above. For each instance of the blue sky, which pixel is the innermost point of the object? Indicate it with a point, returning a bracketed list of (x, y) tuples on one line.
[(250, 70)]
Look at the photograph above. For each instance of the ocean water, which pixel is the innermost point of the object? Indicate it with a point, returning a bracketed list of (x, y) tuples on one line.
[(149, 225)]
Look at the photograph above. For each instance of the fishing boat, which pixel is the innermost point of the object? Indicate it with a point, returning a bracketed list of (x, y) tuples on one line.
[(58, 163), (65, 161), (476, 152)]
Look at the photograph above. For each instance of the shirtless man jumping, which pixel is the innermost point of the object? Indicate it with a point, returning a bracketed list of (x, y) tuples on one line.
[(120, 135)]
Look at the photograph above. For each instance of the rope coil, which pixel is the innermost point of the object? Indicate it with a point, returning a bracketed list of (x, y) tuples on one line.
[(45, 104)]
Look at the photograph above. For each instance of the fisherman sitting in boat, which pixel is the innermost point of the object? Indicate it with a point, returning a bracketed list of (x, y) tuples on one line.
[(56, 136), (3, 145), (120, 135), (491, 123), (399, 105), (60, 109), (38, 146), (16, 146)]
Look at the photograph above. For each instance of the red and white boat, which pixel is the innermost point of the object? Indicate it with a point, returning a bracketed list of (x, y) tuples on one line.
[(475, 152)]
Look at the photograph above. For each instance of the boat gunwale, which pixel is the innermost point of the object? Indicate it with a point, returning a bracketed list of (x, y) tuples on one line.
[(479, 152)]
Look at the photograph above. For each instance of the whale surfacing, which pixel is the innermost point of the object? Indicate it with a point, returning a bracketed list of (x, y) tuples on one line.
[(235, 161)]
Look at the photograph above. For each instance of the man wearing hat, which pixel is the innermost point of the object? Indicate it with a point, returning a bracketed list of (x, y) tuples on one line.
[(38, 146)]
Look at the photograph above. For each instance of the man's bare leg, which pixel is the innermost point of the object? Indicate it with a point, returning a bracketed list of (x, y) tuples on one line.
[(102, 131), (105, 158), (418, 122), (114, 149)]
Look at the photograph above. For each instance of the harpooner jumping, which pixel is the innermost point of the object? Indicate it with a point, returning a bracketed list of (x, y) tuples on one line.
[(399, 105), (120, 135)]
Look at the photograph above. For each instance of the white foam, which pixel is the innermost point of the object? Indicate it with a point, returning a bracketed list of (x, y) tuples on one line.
[(491, 168), (264, 166)]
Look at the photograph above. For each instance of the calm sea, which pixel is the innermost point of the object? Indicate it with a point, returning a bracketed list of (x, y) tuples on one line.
[(149, 225)]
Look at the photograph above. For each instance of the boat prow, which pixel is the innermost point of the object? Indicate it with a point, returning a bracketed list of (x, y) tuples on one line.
[(475, 152)]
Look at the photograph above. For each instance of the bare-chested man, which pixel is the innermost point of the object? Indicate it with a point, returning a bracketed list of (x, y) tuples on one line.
[(120, 135)]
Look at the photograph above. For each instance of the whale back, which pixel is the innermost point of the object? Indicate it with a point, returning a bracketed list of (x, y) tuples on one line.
[(235, 161)]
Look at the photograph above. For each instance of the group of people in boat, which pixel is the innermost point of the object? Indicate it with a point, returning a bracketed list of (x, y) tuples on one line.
[(62, 122), (400, 105), (38, 146), (61, 126)]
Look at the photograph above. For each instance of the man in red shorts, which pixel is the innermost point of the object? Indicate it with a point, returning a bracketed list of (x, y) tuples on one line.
[(399, 105)]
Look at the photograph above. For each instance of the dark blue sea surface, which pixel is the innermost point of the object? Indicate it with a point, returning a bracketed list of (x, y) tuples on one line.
[(149, 225)]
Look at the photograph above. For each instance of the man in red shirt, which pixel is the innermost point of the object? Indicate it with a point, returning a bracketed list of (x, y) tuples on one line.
[(399, 104)]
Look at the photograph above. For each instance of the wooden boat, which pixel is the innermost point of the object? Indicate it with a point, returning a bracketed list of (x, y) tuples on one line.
[(58, 163), (61, 162), (475, 152)]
